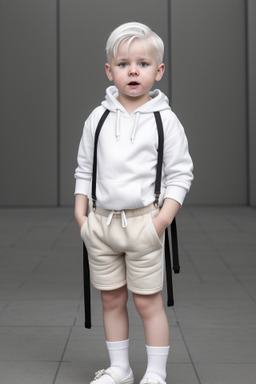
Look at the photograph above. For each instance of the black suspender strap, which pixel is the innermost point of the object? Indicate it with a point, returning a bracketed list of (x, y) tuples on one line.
[(87, 289), (172, 228), (175, 252), (86, 269), (160, 130), (168, 268), (94, 169)]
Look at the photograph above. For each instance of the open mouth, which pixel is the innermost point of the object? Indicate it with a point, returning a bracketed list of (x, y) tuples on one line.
[(133, 83)]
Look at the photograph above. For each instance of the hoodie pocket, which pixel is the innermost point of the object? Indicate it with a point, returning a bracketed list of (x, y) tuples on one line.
[(119, 194)]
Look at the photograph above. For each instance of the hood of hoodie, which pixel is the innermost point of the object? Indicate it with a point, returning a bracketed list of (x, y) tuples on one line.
[(158, 102)]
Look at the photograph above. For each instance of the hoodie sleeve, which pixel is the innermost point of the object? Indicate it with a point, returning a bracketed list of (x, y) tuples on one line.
[(83, 172), (178, 165)]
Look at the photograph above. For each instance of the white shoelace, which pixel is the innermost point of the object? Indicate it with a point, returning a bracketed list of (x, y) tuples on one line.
[(123, 217)]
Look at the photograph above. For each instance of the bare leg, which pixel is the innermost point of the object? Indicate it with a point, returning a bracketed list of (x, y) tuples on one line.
[(115, 315), (156, 329), (152, 313), (116, 326)]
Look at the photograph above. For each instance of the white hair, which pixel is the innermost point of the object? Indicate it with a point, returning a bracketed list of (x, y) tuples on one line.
[(127, 33)]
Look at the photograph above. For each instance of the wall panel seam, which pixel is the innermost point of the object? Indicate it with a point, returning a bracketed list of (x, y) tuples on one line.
[(58, 98)]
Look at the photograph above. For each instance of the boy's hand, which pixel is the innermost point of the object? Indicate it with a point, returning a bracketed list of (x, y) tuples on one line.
[(81, 205), (165, 215), (80, 220), (159, 226)]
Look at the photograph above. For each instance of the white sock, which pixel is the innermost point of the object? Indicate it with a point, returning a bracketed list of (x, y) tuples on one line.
[(157, 360), (119, 361), (119, 357)]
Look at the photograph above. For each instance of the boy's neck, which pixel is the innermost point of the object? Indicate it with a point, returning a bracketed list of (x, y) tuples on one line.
[(132, 103)]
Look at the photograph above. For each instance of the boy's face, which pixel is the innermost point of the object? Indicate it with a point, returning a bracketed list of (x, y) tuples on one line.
[(134, 72)]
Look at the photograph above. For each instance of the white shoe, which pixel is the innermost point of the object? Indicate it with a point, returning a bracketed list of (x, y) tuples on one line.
[(116, 379), (151, 381)]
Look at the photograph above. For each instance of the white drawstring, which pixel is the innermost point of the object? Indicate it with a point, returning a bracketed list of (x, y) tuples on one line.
[(124, 220), (110, 217), (117, 133), (123, 217), (117, 125), (135, 126)]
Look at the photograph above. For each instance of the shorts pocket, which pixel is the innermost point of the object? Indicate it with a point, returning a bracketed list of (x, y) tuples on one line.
[(83, 230), (154, 234)]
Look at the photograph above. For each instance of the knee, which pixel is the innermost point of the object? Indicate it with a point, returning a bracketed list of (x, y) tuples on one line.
[(142, 304), (114, 300), (147, 305)]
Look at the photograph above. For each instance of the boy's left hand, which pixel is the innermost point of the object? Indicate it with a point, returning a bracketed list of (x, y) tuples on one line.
[(165, 216), (159, 226)]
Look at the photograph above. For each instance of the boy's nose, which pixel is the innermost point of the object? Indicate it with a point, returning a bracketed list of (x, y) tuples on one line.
[(133, 71)]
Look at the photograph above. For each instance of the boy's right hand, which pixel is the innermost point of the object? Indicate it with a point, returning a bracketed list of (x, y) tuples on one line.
[(80, 220), (81, 205)]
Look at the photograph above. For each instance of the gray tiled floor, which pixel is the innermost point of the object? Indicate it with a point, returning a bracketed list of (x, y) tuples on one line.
[(213, 323)]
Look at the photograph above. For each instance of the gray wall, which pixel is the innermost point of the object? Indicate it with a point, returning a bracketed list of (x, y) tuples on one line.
[(28, 100), (209, 94), (84, 30), (251, 106), (52, 75)]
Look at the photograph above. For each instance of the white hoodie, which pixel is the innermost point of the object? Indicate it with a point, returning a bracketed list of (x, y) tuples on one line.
[(127, 154)]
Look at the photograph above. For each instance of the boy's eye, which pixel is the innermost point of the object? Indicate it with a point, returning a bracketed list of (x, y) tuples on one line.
[(122, 65), (143, 64)]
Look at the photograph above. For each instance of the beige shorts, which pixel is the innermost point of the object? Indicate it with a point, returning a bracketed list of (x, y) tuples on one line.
[(119, 256)]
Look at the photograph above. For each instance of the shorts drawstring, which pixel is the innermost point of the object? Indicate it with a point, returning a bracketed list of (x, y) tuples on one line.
[(123, 217)]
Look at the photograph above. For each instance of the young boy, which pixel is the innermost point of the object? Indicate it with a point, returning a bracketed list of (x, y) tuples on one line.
[(124, 234)]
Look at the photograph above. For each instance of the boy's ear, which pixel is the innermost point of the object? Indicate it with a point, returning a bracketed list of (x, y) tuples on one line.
[(108, 72), (160, 72)]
